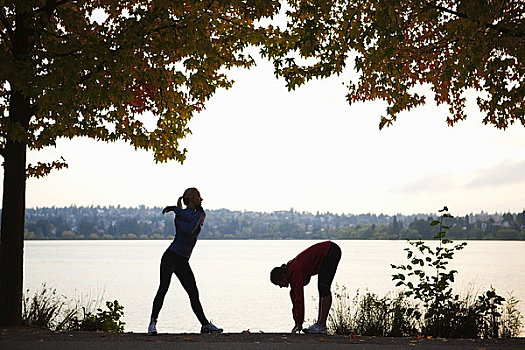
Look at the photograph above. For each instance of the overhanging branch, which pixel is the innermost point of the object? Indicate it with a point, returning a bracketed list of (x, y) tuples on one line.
[(505, 31)]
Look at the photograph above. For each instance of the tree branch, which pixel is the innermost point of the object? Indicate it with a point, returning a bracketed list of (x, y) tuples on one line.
[(463, 15), (5, 22), (175, 26), (51, 5), (56, 35)]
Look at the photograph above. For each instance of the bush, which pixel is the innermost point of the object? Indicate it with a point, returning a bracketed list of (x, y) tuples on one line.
[(511, 318), (444, 314), (49, 310), (108, 321)]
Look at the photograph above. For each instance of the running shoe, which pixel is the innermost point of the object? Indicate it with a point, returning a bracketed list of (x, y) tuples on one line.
[(210, 328), (152, 329), (316, 328)]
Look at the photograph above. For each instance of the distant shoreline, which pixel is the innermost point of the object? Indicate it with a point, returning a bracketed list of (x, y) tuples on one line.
[(144, 223)]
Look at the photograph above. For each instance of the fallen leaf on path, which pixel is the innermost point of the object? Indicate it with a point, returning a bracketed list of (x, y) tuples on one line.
[(246, 331)]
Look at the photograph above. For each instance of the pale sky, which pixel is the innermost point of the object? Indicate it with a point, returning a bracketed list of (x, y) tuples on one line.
[(259, 147)]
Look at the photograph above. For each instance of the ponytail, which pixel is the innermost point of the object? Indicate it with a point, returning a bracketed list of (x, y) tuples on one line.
[(179, 202)]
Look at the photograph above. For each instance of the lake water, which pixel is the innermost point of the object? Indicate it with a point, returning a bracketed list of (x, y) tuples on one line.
[(233, 277)]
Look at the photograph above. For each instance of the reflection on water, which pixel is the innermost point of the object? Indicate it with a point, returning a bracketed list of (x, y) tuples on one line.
[(233, 277)]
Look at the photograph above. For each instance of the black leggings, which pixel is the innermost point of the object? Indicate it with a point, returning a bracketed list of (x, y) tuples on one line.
[(328, 269), (170, 263)]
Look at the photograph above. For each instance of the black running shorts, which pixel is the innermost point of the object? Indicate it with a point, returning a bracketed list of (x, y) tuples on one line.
[(328, 269)]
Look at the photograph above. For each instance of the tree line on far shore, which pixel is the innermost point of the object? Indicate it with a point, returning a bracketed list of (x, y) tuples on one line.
[(148, 223)]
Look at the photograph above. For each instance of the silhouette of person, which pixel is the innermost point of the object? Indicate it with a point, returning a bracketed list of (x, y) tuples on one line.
[(175, 260), (320, 259)]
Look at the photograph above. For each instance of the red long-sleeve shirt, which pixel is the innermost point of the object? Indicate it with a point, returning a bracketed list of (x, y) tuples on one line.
[(305, 265)]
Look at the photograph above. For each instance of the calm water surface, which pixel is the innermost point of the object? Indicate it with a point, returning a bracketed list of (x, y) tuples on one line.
[(233, 277)]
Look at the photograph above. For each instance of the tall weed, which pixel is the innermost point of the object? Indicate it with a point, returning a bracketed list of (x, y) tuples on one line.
[(368, 314)]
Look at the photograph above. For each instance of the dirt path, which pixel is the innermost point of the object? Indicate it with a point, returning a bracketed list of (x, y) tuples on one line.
[(28, 338)]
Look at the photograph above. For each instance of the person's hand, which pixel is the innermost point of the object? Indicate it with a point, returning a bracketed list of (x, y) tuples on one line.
[(166, 210), (298, 327)]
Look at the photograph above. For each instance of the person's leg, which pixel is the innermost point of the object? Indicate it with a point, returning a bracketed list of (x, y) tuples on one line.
[(325, 279), (325, 303), (187, 279), (166, 269)]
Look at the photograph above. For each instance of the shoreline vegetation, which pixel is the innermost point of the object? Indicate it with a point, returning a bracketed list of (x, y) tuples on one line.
[(115, 222), (470, 316), (423, 304), (47, 309)]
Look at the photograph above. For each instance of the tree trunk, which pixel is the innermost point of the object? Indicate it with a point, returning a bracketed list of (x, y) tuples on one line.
[(13, 218), (14, 153)]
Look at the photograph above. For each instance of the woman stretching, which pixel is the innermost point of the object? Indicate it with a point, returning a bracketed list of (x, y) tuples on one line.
[(320, 259), (188, 223)]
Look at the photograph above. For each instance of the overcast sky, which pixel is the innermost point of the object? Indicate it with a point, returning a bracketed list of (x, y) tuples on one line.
[(259, 147)]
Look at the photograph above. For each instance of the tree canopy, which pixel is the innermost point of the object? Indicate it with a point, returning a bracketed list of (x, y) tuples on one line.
[(451, 46), (93, 68)]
